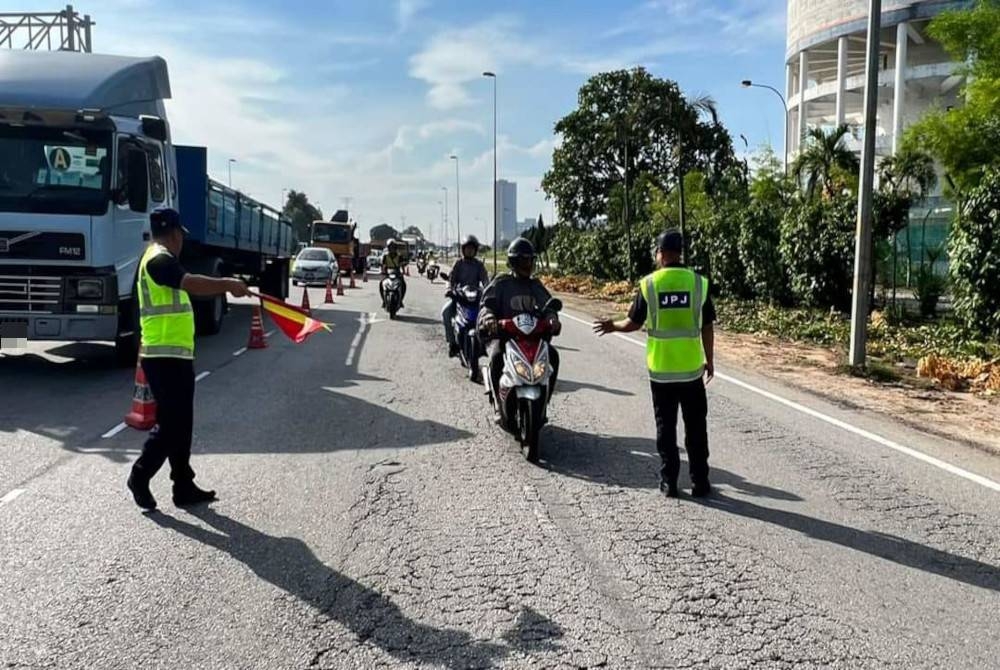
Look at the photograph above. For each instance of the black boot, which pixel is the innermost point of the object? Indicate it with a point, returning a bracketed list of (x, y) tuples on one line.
[(189, 494), (452, 350), (701, 489), (139, 486), (669, 489)]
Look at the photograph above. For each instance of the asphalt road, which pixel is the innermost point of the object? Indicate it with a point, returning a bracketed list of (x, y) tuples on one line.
[(372, 516)]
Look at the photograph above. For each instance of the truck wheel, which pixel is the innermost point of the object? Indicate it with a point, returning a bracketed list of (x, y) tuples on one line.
[(209, 313)]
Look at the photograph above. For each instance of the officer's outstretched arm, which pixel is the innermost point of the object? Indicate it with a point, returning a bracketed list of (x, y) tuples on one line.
[(202, 285)]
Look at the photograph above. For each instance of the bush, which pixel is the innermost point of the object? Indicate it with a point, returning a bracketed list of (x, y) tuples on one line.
[(817, 247), (759, 248), (975, 258)]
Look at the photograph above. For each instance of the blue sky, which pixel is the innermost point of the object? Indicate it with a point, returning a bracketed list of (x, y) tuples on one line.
[(366, 99)]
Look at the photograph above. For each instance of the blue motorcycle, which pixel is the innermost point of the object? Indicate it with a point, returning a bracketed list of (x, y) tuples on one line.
[(464, 324)]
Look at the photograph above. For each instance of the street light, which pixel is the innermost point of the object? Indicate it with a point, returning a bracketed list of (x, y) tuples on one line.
[(445, 189), (230, 165), (746, 83), (496, 232), (458, 202), (282, 202)]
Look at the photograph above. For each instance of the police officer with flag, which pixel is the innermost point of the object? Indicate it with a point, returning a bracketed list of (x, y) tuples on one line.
[(674, 305), (167, 358)]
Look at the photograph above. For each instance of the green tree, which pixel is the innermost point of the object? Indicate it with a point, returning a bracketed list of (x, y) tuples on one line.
[(627, 122), (414, 231), (966, 139), (772, 192), (302, 213), (382, 232), (825, 162), (974, 255), (817, 247)]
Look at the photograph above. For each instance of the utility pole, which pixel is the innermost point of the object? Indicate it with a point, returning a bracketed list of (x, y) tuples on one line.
[(863, 243)]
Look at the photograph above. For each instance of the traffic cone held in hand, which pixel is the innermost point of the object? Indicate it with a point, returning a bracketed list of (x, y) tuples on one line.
[(305, 300), (328, 300), (143, 414), (340, 285), (257, 338)]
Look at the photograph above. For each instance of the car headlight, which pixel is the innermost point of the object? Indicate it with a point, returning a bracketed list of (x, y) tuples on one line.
[(90, 289), (522, 370)]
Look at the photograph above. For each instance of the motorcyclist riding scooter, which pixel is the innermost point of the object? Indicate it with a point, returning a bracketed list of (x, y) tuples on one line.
[(393, 261), (509, 295), (467, 271)]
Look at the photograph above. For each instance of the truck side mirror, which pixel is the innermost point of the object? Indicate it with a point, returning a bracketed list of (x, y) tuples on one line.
[(137, 184), (154, 127)]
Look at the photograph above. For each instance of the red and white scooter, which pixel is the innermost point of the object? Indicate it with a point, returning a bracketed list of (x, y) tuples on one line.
[(527, 374)]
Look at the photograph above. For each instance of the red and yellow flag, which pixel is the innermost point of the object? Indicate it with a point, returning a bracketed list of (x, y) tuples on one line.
[(292, 321)]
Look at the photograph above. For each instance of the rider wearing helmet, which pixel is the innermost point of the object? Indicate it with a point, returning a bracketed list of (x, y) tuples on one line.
[(510, 294), (467, 271), (393, 261)]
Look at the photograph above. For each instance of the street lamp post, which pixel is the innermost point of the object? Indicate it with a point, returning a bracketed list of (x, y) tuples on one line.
[(230, 166), (746, 83), (496, 232), (445, 189), (458, 203)]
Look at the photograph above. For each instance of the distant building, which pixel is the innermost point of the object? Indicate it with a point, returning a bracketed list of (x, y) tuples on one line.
[(507, 209)]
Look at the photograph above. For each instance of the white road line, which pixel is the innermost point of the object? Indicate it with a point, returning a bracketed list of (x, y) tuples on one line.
[(114, 431), (269, 333), (364, 322), (10, 496), (202, 375), (240, 351), (644, 454), (861, 432)]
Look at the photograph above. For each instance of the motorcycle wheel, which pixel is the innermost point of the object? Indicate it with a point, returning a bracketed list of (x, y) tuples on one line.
[(530, 421)]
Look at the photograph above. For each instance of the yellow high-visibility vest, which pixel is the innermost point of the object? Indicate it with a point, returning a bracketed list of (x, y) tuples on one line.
[(674, 299), (165, 314)]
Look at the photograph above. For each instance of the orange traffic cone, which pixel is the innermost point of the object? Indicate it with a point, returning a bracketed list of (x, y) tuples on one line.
[(143, 414), (305, 300), (257, 338), (328, 300), (406, 270), (364, 276), (340, 285), (353, 285)]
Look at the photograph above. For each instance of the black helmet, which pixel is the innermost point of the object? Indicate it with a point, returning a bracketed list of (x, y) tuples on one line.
[(470, 240), (521, 256)]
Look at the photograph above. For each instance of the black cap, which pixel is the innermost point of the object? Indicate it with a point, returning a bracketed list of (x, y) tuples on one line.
[(162, 220), (670, 240)]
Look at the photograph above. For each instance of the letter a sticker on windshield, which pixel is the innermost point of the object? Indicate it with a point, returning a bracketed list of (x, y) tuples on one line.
[(60, 159)]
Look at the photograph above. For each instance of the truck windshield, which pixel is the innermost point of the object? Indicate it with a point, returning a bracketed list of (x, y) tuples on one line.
[(54, 171), (331, 233)]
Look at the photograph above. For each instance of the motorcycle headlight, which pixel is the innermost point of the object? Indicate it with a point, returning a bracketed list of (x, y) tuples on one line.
[(540, 369), (522, 370)]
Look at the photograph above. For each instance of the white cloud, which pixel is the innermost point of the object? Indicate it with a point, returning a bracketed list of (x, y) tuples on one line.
[(457, 56), (406, 135), (407, 10)]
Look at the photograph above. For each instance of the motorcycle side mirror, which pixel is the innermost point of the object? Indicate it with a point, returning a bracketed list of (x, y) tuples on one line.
[(553, 305)]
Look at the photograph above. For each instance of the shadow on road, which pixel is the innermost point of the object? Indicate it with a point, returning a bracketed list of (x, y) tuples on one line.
[(889, 547), (571, 386), (418, 320), (289, 564), (609, 460)]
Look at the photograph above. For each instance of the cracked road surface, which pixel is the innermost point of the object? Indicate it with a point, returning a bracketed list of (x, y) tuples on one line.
[(372, 516)]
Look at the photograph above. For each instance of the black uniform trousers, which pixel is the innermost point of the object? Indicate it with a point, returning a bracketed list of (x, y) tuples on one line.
[(171, 381), (693, 402)]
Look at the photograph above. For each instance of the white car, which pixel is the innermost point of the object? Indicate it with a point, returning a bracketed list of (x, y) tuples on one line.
[(374, 262), (313, 265)]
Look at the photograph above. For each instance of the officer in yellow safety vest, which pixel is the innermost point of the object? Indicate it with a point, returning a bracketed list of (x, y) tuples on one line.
[(674, 304), (167, 358)]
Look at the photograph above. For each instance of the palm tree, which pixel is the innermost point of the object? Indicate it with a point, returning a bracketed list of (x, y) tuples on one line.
[(824, 159), (910, 173)]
